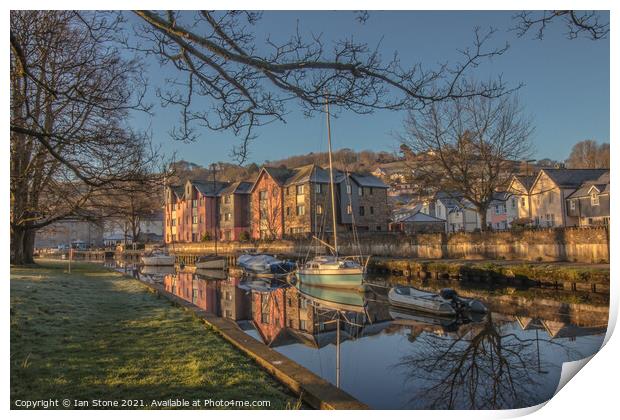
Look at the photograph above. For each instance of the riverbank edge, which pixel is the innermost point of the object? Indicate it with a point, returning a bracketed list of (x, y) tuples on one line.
[(313, 390)]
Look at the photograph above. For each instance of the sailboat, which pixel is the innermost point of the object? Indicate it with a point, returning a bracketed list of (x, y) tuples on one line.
[(213, 262), (331, 270)]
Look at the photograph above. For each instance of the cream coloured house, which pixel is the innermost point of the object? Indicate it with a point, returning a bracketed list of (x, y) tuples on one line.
[(548, 193)]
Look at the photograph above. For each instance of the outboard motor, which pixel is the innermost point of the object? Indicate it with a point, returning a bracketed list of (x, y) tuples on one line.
[(451, 295)]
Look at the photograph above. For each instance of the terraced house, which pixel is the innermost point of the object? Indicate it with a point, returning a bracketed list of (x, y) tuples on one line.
[(191, 211), (234, 211), (297, 202)]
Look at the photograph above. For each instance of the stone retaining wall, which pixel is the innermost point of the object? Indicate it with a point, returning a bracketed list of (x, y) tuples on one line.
[(589, 245)]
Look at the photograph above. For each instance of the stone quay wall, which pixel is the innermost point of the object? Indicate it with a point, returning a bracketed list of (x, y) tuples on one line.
[(588, 245)]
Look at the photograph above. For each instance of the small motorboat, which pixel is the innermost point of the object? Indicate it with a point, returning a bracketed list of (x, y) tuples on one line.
[(264, 264), (445, 303), (217, 262), (158, 258)]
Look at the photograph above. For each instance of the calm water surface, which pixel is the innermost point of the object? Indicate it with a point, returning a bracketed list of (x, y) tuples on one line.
[(393, 359)]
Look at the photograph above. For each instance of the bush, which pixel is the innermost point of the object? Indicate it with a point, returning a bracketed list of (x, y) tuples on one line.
[(206, 237), (244, 236)]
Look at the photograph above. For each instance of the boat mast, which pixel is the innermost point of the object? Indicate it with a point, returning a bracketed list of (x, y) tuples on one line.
[(331, 177), (215, 215)]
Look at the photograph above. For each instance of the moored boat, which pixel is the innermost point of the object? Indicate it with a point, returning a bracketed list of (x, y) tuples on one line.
[(445, 303), (331, 271), (263, 264), (158, 258), (420, 300), (211, 262)]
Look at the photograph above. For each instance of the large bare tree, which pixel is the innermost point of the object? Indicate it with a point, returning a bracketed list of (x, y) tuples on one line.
[(251, 82), (468, 147), (71, 94)]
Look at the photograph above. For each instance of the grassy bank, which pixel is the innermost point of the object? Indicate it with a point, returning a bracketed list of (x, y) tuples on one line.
[(93, 334)]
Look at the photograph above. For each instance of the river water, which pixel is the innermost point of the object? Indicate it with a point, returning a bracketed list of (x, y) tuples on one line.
[(395, 359)]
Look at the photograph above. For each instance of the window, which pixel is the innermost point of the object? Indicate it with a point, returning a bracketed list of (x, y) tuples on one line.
[(361, 210), (262, 195), (288, 211), (594, 200), (302, 324), (370, 190), (497, 209), (349, 209), (551, 196), (522, 201), (514, 203), (227, 217), (360, 191), (195, 219), (289, 302), (303, 304), (318, 188), (194, 203), (301, 210), (378, 227), (300, 189), (372, 210), (227, 199), (573, 205), (319, 209), (348, 188)]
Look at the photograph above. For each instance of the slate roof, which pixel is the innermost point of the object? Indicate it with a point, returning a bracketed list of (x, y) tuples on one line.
[(239, 187), (280, 175), (368, 181), (526, 180), (602, 184), (573, 178), (209, 188)]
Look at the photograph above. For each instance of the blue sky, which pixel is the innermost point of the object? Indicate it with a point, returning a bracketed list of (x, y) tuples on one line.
[(566, 84)]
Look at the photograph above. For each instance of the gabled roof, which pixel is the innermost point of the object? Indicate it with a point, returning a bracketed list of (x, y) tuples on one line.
[(602, 185), (526, 180), (368, 181), (572, 178), (177, 190), (280, 175), (314, 173), (417, 216), (208, 188), (239, 187)]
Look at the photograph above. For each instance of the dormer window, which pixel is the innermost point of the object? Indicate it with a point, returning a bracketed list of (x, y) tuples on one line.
[(594, 198)]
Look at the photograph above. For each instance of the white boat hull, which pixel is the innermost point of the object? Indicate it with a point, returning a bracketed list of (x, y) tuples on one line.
[(158, 260), (420, 300)]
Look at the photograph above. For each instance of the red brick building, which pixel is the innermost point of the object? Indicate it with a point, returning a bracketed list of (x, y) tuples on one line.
[(191, 211)]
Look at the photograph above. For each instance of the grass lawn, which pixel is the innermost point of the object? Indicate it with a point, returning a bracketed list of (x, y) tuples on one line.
[(94, 334)]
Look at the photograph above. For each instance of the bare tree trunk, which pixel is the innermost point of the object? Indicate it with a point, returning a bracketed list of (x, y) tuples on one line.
[(17, 246), (22, 246), (483, 219), (29, 236)]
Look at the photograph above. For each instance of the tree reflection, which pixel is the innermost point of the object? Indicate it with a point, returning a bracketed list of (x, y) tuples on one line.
[(482, 366)]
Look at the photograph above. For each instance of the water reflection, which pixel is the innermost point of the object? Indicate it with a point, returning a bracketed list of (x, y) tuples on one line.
[(390, 358)]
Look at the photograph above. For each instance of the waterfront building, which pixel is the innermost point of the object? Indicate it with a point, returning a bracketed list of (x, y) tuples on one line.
[(590, 203), (234, 211), (550, 190)]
